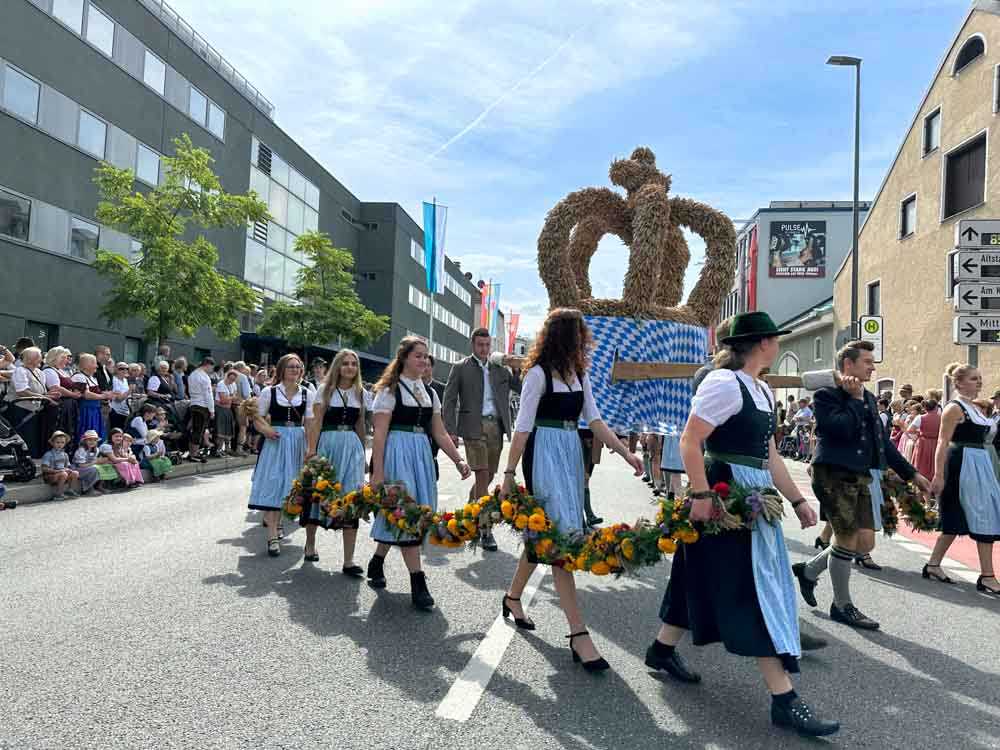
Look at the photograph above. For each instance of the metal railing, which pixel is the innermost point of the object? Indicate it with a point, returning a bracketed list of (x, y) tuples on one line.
[(209, 54)]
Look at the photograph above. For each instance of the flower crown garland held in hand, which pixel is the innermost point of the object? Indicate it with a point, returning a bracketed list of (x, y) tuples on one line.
[(616, 549)]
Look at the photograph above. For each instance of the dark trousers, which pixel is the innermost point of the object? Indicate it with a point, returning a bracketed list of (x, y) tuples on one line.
[(117, 420), (200, 419)]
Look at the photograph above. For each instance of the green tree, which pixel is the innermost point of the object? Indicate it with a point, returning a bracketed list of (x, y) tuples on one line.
[(173, 284), (327, 304)]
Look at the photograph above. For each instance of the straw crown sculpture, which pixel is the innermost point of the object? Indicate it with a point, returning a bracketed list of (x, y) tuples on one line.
[(649, 222)]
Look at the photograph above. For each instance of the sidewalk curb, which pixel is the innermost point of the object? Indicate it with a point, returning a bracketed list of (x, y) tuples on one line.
[(37, 491)]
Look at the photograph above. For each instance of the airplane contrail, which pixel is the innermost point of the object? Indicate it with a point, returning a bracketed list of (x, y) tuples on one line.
[(500, 99)]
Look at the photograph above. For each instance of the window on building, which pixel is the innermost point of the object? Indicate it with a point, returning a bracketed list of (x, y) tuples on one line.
[(70, 12), (279, 170), (216, 120), (154, 73), (147, 165), (971, 50), (875, 298), (932, 131), (92, 135), (278, 205), (15, 216), (100, 30), (260, 183), (296, 184), (908, 216), (296, 216), (818, 349), (311, 220), (83, 238), (965, 177), (133, 350), (312, 195), (20, 94), (197, 106), (45, 335), (416, 252)]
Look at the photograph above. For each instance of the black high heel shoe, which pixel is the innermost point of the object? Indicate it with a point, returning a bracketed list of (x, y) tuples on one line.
[(595, 665), (866, 562), (522, 622), (820, 544), (939, 577), (980, 586)]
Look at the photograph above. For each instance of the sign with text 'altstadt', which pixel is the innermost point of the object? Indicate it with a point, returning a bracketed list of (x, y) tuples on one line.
[(974, 281)]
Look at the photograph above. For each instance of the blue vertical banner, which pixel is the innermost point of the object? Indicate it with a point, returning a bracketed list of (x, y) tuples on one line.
[(494, 306), (435, 226)]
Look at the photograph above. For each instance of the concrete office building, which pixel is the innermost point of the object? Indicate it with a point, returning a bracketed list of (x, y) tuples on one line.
[(117, 80), (946, 169), (786, 255)]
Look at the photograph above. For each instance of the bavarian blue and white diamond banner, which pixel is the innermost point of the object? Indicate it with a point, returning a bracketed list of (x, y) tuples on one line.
[(659, 406)]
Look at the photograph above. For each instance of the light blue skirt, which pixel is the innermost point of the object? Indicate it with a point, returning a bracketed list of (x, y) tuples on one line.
[(671, 457), (979, 492), (279, 462), (772, 571), (408, 460), (346, 455), (875, 489), (557, 476)]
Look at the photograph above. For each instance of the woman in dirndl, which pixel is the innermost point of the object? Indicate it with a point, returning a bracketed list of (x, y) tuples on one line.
[(282, 411), (337, 432), (555, 397), (965, 479), (405, 410), (736, 586)]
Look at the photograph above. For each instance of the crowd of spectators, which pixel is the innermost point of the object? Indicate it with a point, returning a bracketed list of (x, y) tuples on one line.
[(92, 423)]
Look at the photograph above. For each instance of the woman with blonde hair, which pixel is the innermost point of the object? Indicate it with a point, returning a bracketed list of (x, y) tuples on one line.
[(337, 432), (965, 480), (282, 410), (85, 381), (405, 411), (61, 414), (555, 396)]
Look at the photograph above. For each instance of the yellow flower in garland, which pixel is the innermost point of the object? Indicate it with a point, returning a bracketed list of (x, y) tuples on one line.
[(689, 536), (628, 549), (367, 492), (337, 487), (613, 561), (351, 497), (600, 568), (322, 485), (569, 565), (507, 509), (484, 499), (453, 526), (474, 509), (581, 562), (470, 526), (520, 521), (401, 523), (666, 546), (543, 546), (607, 535), (536, 522)]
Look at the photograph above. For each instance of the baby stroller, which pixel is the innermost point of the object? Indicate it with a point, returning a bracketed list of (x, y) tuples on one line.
[(788, 446), (15, 462)]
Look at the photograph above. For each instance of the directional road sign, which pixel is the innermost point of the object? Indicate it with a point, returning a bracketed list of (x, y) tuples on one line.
[(974, 329), (969, 265), (977, 233), (973, 297)]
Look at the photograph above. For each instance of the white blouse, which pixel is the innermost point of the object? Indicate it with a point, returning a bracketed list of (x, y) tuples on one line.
[(385, 400), (51, 377), (264, 401), (226, 389), (719, 397), (338, 397), (533, 388)]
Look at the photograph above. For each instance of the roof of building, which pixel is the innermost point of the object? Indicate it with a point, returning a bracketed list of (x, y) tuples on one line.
[(810, 314), (803, 206), (986, 6)]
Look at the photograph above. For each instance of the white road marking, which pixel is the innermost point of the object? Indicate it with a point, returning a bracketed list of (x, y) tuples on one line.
[(468, 689)]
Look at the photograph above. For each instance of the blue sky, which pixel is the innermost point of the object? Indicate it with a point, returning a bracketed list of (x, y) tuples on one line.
[(501, 109)]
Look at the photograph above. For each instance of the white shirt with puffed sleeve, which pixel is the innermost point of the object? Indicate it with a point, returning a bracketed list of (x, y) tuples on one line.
[(277, 392), (719, 397), (385, 400), (533, 388)]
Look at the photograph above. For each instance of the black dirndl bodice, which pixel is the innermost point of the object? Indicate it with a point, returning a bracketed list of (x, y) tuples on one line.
[(967, 434), (340, 417), (286, 415), (404, 416), (563, 407)]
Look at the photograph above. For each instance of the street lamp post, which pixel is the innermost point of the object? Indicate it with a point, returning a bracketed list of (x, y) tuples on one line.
[(854, 62)]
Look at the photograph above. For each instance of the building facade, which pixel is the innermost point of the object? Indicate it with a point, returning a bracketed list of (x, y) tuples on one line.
[(946, 169), (118, 80)]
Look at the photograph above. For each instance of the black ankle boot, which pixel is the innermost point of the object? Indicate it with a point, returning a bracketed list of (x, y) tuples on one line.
[(419, 594), (376, 575), (800, 716)]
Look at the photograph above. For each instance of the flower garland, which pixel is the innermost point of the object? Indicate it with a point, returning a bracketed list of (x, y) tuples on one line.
[(919, 515), (612, 550)]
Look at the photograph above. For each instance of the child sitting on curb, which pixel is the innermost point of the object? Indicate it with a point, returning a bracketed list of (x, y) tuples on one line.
[(117, 454), (56, 469), (154, 456), (93, 475)]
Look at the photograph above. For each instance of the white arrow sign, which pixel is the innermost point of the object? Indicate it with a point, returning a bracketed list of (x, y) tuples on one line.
[(978, 233), (973, 297), (974, 330), (969, 265)]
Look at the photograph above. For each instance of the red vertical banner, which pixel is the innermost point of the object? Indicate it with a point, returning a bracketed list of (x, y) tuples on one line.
[(515, 320), (752, 275), (484, 310)]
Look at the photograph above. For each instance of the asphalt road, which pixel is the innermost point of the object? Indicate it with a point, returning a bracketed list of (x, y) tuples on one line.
[(155, 620)]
